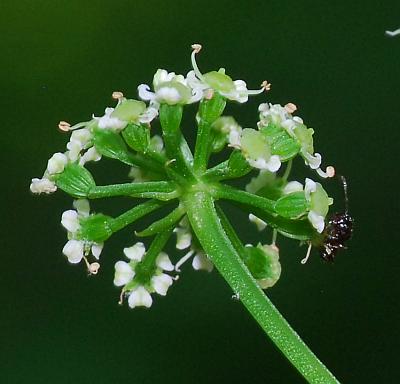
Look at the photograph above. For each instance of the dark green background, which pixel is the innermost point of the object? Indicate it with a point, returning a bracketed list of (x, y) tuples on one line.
[(62, 59)]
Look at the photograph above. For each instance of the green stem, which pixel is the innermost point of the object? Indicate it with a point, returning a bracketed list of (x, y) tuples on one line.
[(164, 223), (262, 207), (208, 229), (175, 144), (209, 111), (161, 190), (134, 214)]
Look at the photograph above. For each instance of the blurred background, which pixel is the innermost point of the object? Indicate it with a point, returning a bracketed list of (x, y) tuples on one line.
[(61, 60)]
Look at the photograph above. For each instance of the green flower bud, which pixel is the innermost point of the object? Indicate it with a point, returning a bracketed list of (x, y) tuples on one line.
[(292, 206), (75, 180), (110, 144), (95, 228), (263, 263), (137, 137), (281, 143)]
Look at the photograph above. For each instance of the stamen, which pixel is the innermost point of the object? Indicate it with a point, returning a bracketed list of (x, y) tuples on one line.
[(393, 33), (64, 126), (183, 260), (274, 235), (116, 95), (196, 49), (265, 86), (330, 172), (290, 107), (121, 297), (307, 254)]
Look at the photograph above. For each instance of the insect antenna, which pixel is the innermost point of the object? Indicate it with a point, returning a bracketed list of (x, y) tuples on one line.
[(346, 199)]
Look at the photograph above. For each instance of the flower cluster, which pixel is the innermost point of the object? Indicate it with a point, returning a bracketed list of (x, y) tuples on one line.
[(146, 136)]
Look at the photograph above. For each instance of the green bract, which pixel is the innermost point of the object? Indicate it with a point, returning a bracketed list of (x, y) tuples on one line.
[(185, 189)]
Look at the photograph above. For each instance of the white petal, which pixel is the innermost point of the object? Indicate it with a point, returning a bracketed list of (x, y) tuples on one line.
[(313, 161), (74, 251), (70, 221), (140, 297), (135, 252), (82, 136), (82, 206), (57, 163), (90, 155), (274, 163), (169, 95), (144, 92), (201, 261), (261, 224), (317, 221), (164, 262), (183, 238), (161, 283), (148, 115), (292, 186), (309, 188), (123, 273), (42, 186), (74, 149), (96, 249)]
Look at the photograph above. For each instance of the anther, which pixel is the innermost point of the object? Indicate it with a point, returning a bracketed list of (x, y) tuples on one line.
[(117, 95), (330, 172), (196, 48), (290, 107), (64, 126), (93, 268), (266, 86)]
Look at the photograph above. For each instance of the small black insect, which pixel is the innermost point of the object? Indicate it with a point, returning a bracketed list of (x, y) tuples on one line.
[(338, 230)]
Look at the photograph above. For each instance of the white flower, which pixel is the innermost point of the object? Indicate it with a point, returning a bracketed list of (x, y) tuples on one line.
[(294, 126), (123, 273), (257, 151), (76, 248), (140, 297), (43, 185), (57, 163), (169, 88), (108, 122), (319, 204), (90, 155), (218, 81)]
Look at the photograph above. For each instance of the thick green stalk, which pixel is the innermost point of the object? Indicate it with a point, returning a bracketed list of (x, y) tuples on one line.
[(206, 224)]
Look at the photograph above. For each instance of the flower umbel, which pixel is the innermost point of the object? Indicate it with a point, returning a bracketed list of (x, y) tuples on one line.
[(186, 190)]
